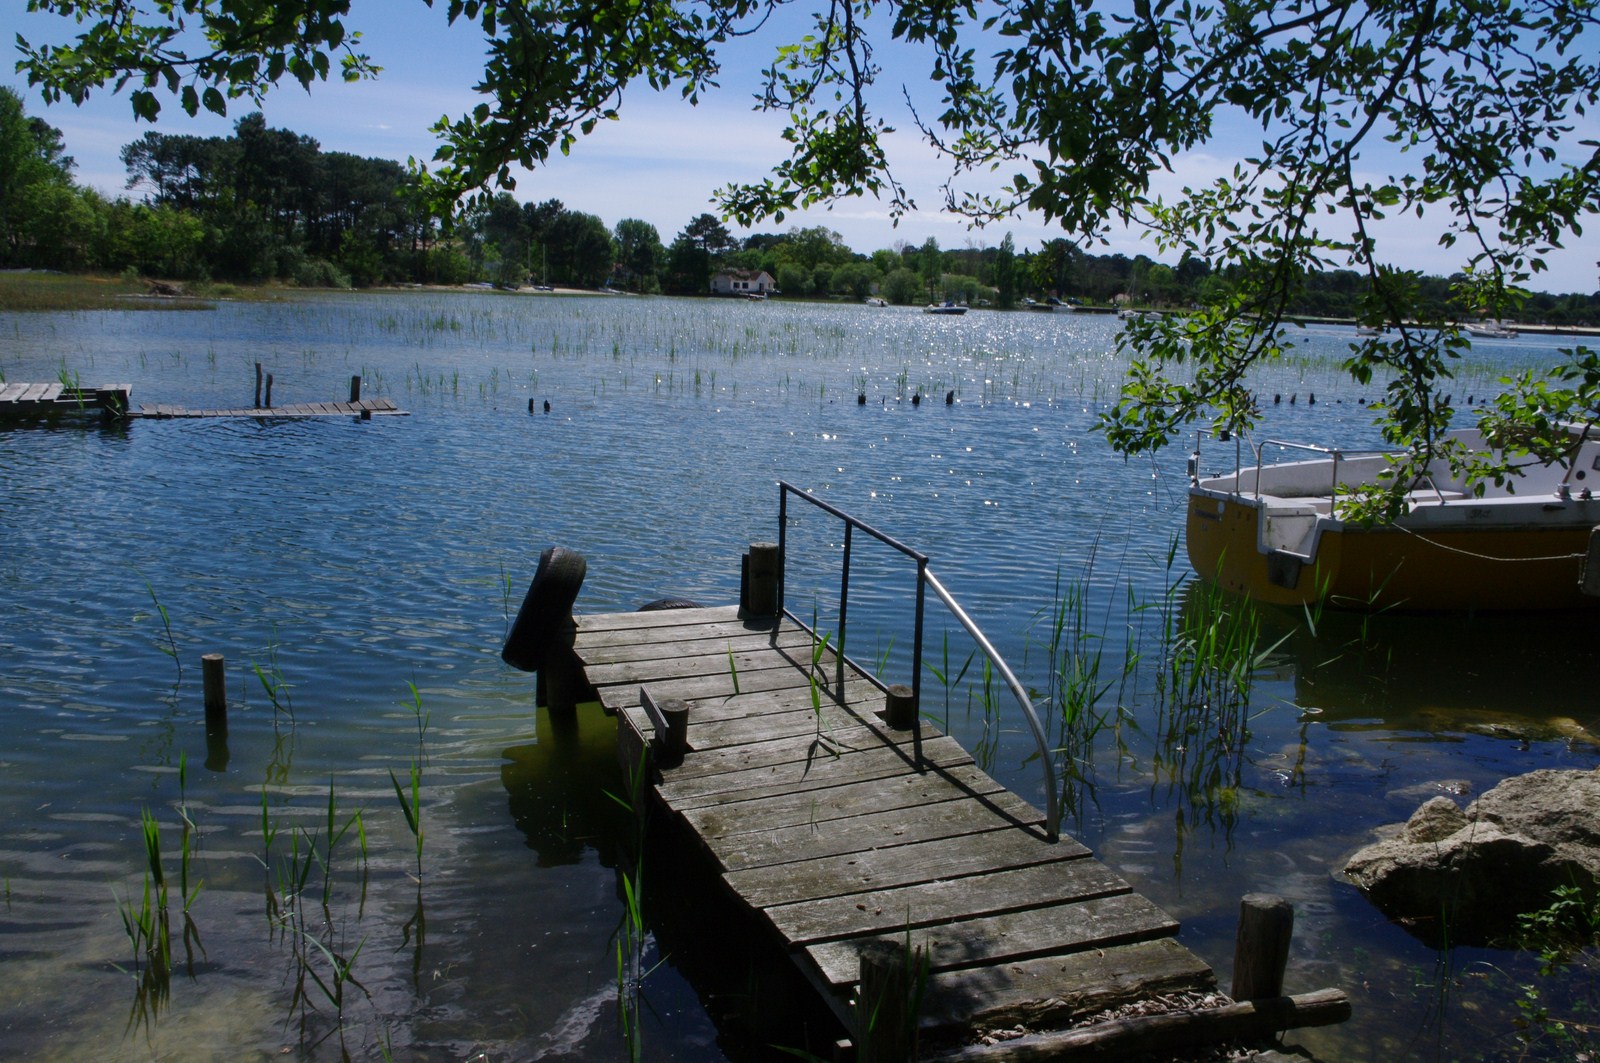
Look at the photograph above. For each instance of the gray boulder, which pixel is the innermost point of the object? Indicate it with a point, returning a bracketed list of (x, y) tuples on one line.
[(1463, 877)]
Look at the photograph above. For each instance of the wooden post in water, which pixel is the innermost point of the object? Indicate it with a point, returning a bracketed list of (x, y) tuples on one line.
[(900, 707), (763, 590), (1261, 951), (563, 683), (885, 1027), (269, 391), (214, 681), (258, 386), (355, 388)]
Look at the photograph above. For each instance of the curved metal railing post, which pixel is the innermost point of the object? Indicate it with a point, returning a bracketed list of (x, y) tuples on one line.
[(1052, 822)]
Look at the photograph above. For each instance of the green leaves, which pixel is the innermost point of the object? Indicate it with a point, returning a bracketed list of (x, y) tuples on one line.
[(202, 52)]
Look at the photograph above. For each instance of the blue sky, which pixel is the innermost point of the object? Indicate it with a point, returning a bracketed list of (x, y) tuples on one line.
[(659, 162)]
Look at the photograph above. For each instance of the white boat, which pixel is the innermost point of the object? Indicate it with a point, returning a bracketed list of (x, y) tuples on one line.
[(946, 307), (1275, 533), (876, 300), (1494, 330)]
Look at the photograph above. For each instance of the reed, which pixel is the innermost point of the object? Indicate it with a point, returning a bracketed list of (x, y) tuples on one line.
[(170, 647), (419, 714), (272, 680), (942, 673), (631, 938), (188, 840)]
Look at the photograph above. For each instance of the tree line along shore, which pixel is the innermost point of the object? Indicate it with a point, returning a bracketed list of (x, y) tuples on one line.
[(268, 206)]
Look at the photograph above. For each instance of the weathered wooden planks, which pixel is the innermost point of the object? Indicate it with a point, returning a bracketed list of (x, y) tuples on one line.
[(821, 819), (21, 400), (370, 407)]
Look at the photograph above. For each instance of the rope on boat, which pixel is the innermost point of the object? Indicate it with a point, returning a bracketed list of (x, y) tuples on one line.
[(1487, 557)]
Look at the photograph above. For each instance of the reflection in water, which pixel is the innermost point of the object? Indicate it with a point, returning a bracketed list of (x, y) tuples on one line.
[(1442, 673), (557, 787)]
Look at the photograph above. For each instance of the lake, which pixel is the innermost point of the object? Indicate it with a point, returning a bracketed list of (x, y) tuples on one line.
[(359, 578)]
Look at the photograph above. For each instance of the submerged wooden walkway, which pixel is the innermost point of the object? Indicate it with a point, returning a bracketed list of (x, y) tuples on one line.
[(817, 818), (358, 408), (112, 400)]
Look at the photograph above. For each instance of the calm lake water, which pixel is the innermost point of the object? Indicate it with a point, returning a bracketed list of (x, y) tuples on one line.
[(359, 578)]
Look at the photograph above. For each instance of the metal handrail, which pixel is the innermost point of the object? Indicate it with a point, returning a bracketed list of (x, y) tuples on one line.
[(925, 579), (1338, 453)]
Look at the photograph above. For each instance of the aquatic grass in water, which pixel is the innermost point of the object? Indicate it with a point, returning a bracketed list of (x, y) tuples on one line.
[(273, 682), (632, 937), (170, 647)]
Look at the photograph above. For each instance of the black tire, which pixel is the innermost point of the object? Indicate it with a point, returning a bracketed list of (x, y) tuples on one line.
[(667, 603), (546, 609)]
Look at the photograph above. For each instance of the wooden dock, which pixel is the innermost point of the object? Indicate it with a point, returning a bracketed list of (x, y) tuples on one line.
[(54, 399), (817, 817), (363, 408), (112, 400)]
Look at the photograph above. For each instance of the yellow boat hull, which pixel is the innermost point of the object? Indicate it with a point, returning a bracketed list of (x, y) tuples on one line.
[(1517, 568)]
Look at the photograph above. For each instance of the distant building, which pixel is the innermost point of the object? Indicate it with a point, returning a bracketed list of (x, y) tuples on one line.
[(743, 282)]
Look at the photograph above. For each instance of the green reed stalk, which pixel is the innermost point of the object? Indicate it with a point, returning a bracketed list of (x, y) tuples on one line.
[(171, 648), (942, 674), (189, 834), (411, 806), (272, 680), (422, 716)]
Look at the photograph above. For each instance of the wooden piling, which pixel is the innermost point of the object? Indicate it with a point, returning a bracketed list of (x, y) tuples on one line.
[(563, 683), (269, 391), (765, 569), (1261, 951), (258, 386), (215, 683), (900, 707), (671, 719), (355, 388)]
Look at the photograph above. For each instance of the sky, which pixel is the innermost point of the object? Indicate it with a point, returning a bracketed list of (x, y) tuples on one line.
[(659, 162)]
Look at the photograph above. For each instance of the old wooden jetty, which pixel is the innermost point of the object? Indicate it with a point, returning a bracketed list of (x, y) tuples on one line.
[(55, 399), (363, 408), (885, 862), (112, 400)]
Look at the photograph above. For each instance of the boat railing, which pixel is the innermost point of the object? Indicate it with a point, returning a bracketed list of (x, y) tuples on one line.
[(1338, 454), (926, 580)]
